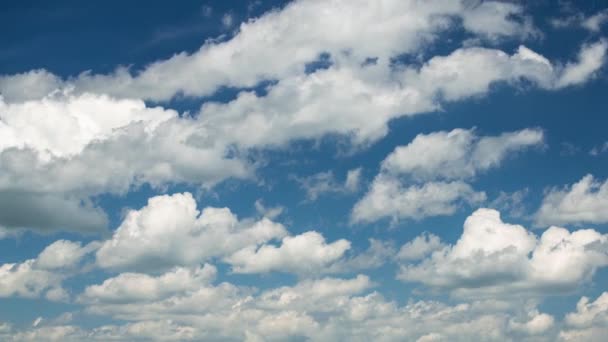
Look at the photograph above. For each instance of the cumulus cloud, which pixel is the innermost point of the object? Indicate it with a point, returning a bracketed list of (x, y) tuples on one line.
[(134, 287), (43, 275), (170, 231), (292, 37), (457, 154), (425, 177), (585, 201), (388, 197), (68, 159), (307, 253), (494, 258), (420, 247), (316, 309), (589, 322)]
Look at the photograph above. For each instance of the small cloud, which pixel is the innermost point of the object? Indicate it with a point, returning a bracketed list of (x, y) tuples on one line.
[(227, 20), (269, 212), (597, 150)]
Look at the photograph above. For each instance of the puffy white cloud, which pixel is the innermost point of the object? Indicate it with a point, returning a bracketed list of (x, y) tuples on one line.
[(537, 323), (290, 37), (44, 274), (388, 197), (457, 154), (63, 125), (170, 231), (420, 247), (434, 165), (586, 201), (31, 85), (493, 258), (589, 313), (134, 287), (307, 253), (589, 322), (58, 151), (63, 253)]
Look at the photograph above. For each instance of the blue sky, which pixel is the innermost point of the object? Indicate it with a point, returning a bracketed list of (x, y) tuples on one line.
[(304, 170)]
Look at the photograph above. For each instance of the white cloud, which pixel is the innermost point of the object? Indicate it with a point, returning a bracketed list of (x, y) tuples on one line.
[(424, 178), (493, 258), (420, 247), (457, 154), (592, 23), (135, 287), (589, 313), (388, 197), (586, 201), (43, 275), (325, 182), (353, 180), (589, 322), (590, 60), (169, 231), (307, 253), (291, 37)]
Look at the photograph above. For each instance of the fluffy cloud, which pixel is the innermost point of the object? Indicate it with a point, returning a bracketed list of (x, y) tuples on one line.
[(420, 247), (319, 310), (389, 198), (437, 162), (134, 287), (495, 258), (586, 201), (43, 275), (589, 322), (68, 159), (305, 253), (457, 154), (170, 231), (291, 37)]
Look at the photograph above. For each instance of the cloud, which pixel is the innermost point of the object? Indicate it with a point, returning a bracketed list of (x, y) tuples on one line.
[(291, 37), (387, 197), (325, 182), (169, 231), (589, 322), (590, 60), (420, 247), (307, 253), (457, 154), (43, 275), (585, 201), (493, 258), (136, 287), (591, 23), (425, 177)]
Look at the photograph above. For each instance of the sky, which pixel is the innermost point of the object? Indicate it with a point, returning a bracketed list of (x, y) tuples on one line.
[(306, 170)]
